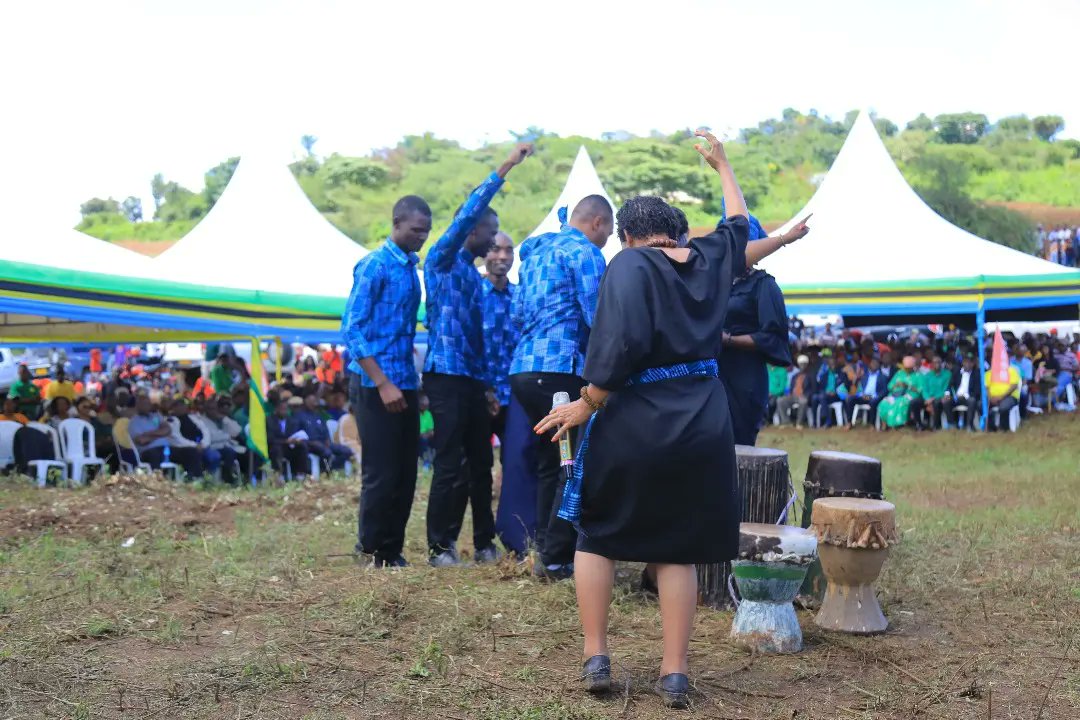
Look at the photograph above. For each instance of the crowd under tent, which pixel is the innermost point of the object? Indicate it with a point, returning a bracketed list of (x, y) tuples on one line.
[(877, 254)]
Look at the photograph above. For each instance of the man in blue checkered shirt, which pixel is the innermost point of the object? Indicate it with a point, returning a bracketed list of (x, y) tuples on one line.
[(457, 378), (379, 328), (554, 307)]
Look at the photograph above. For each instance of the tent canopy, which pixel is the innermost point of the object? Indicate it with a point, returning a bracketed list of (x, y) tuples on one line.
[(580, 183), (263, 232), (876, 248), (41, 304), (68, 249)]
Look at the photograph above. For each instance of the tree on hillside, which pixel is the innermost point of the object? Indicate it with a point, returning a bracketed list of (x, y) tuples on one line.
[(157, 190), (943, 188), (1047, 126), (1016, 126), (308, 143), (340, 170), (965, 128), (217, 178), (922, 122), (132, 207), (885, 127), (95, 206)]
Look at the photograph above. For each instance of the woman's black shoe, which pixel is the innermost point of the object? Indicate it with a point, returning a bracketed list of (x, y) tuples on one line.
[(674, 690), (596, 674)]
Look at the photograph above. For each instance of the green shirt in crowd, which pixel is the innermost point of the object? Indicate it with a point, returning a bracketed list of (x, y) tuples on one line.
[(221, 378), (24, 391), (777, 380), (934, 384), (912, 379)]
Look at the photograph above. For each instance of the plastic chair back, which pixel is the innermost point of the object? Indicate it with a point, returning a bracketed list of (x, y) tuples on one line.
[(8, 428), (51, 432), (76, 435)]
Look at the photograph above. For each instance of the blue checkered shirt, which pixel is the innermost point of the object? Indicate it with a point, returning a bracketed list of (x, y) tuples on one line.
[(556, 300), (455, 300), (380, 317), (500, 337)]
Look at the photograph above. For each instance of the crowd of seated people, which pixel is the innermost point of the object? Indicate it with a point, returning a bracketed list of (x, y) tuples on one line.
[(142, 413), (922, 381)]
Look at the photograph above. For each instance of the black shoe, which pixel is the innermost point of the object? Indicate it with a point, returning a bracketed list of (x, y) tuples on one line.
[(674, 690), (553, 573), (397, 562), (596, 674), (648, 584)]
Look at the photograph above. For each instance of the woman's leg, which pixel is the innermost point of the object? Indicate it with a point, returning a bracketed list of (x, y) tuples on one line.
[(594, 576), (678, 600)]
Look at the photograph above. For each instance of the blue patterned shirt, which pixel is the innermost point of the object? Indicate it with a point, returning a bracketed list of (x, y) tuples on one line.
[(500, 337), (555, 303), (380, 317), (455, 301)]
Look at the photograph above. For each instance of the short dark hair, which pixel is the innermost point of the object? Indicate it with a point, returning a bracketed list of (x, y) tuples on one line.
[(408, 205), (590, 206), (646, 215), (684, 226)]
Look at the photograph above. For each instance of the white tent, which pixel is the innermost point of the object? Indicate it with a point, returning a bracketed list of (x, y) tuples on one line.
[(580, 183), (264, 234), (68, 249), (869, 226)]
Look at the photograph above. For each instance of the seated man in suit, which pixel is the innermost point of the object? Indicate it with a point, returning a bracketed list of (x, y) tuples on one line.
[(311, 421), (965, 391), (827, 384), (280, 428), (869, 390)]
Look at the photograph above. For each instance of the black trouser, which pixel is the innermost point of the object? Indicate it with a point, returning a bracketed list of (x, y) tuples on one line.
[(972, 405), (1004, 406), (556, 539), (387, 468), (295, 456), (189, 458), (853, 400), (463, 461)]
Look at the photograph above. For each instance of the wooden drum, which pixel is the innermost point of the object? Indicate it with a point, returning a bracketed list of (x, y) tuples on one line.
[(770, 569), (834, 474), (854, 536), (764, 490)]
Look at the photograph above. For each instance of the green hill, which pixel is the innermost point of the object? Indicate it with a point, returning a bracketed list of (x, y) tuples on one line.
[(961, 164)]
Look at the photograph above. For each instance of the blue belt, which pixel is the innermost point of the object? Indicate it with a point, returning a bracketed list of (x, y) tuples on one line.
[(570, 507)]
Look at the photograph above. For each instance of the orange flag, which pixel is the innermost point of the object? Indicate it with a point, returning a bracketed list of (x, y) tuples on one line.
[(999, 361)]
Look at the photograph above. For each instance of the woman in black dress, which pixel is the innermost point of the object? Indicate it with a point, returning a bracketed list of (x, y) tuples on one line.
[(755, 334), (657, 463)]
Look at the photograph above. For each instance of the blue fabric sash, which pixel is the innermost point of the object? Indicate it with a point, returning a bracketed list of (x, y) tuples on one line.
[(570, 507)]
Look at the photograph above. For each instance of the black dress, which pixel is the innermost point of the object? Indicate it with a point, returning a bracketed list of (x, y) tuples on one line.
[(756, 308), (658, 481)]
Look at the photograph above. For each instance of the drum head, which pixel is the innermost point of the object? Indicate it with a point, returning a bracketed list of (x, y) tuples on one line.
[(749, 451), (776, 543), (839, 456), (855, 505)]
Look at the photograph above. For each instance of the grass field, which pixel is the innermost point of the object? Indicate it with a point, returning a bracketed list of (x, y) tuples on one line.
[(247, 604)]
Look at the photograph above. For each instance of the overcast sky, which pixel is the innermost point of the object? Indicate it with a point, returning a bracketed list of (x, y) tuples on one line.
[(98, 95)]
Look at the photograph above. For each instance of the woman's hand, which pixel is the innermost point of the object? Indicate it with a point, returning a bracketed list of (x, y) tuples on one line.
[(798, 232), (715, 154), (563, 418)]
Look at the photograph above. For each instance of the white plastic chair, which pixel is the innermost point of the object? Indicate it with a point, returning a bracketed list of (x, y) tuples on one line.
[(837, 409), (45, 470), (861, 409), (122, 441), (1014, 417), (8, 428), (75, 437)]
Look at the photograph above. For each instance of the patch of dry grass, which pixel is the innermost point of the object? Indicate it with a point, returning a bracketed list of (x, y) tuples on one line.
[(246, 604)]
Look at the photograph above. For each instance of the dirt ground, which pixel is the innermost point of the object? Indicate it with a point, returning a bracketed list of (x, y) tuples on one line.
[(138, 598)]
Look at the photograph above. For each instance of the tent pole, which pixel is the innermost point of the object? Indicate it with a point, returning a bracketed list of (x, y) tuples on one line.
[(980, 328), (277, 360)]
